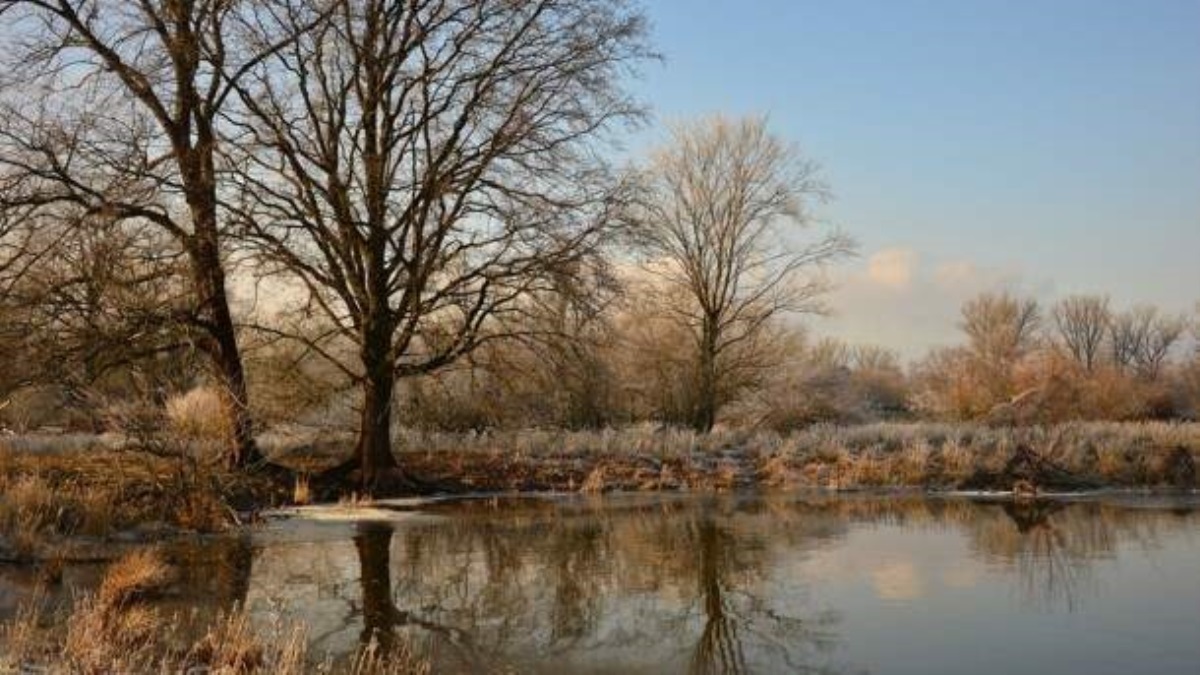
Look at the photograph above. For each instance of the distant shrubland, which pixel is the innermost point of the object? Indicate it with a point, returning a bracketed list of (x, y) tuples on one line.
[(626, 364)]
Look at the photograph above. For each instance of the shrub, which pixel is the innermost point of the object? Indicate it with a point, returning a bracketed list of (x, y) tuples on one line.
[(199, 416)]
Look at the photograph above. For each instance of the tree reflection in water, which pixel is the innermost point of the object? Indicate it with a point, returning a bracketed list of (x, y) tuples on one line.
[(489, 591), (718, 650), (381, 617), (1052, 573), (702, 585), (1054, 545), (730, 571)]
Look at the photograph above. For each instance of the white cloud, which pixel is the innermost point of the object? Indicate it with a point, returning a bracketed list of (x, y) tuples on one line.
[(898, 298), (892, 267)]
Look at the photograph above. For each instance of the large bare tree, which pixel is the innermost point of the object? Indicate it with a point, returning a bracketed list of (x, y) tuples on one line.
[(111, 108), (721, 219), (20, 252), (421, 167)]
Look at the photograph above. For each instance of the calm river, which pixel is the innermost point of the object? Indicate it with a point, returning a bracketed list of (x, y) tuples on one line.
[(737, 584)]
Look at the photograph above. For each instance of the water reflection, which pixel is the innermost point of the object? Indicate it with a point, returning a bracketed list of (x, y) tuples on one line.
[(710, 585), (699, 585), (692, 587)]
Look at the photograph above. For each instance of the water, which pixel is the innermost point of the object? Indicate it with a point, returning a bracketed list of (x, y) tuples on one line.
[(733, 584)]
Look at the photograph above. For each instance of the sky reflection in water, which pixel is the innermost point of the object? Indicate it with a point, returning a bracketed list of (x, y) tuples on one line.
[(723, 584)]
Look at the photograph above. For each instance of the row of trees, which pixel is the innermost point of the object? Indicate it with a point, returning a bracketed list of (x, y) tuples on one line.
[(1080, 358), (412, 184), (1018, 364)]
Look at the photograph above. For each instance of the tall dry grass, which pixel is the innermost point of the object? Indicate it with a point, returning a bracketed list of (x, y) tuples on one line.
[(34, 513), (47, 498)]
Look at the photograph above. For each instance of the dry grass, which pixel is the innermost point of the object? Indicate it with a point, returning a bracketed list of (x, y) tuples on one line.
[(118, 629), (107, 630), (23, 637), (875, 455), (199, 419), (232, 645), (398, 658), (34, 513), (301, 490), (46, 498)]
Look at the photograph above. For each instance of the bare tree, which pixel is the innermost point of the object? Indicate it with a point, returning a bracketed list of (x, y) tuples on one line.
[(1001, 329), (721, 210), (1163, 334), (1126, 333), (571, 325), (1141, 338), (420, 168), (104, 303), (1082, 322), (113, 108), (20, 250)]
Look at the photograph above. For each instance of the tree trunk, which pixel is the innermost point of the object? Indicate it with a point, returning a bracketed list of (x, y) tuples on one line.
[(375, 458), (208, 271), (222, 347), (706, 404), (376, 462)]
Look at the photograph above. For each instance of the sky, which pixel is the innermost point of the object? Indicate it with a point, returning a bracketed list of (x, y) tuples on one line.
[(1043, 147)]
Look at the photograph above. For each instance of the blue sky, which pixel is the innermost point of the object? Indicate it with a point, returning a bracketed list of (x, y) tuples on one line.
[(1046, 147)]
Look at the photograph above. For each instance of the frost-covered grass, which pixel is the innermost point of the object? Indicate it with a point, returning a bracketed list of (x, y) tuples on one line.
[(884, 454), (643, 457)]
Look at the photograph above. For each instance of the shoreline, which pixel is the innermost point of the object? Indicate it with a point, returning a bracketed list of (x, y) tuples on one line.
[(52, 497)]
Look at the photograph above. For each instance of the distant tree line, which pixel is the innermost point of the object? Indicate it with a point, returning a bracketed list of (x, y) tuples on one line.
[(1079, 359)]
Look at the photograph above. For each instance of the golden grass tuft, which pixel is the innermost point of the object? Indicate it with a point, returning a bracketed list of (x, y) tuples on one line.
[(133, 577), (301, 492), (773, 470), (594, 482), (232, 645), (28, 511), (397, 658), (110, 629), (23, 638), (199, 416)]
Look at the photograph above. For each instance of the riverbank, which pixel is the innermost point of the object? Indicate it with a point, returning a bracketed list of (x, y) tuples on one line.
[(920, 455), (66, 499), (75, 503)]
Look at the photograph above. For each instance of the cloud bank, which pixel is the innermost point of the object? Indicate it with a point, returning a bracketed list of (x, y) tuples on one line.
[(896, 298)]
